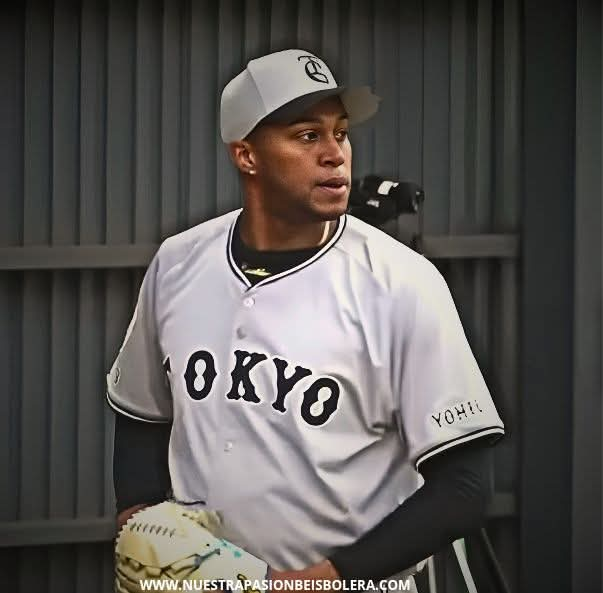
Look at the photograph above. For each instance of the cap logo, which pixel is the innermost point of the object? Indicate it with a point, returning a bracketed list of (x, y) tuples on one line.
[(313, 69)]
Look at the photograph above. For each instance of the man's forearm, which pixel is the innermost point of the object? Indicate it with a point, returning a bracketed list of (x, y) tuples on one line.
[(450, 504)]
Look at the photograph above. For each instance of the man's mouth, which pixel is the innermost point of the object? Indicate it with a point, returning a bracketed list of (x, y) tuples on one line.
[(334, 182), (334, 187)]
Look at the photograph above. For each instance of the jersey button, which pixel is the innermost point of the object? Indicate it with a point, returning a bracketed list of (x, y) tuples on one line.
[(228, 446), (240, 332), (248, 302)]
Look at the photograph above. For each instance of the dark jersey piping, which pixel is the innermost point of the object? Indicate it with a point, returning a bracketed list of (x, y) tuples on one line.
[(440, 447), (133, 415)]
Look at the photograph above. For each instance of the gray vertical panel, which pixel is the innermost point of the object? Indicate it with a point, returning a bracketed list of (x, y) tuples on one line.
[(387, 81), (483, 116), (435, 115), (65, 114), (331, 36), (482, 179), (148, 122), (33, 488), (60, 569), (508, 117), (410, 97), (502, 215), (282, 25), (359, 59), (90, 390), (107, 581), (118, 312), (63, 402), (257, 29), (230, 63), (11, 125), (65, 290), (90, 472), (9, 575), (479, 172), (459, 276), (308, 25), (37, 120), (458, 116), (185, 116), (504, 211), (121, 63), (470, 107), (506, 120), (505, 347), (481, 313), (90, 331), (89, 567), (93, 92), (65, 122), (64, 361), (203, 192), (32, 581), (11, 209), (171, 116), (409, 103), (35, 344), (588, 303), (10, 384)]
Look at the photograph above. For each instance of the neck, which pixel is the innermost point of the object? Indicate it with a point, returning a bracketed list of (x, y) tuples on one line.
[(268, 233)]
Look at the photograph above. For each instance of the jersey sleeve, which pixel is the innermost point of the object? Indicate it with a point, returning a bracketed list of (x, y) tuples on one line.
[(137, 384), (444, 400)]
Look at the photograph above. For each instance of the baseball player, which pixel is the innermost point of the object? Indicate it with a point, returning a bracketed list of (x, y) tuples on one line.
[(297, 369)]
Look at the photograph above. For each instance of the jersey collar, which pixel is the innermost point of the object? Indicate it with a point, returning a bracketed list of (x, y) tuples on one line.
[(341, 222)]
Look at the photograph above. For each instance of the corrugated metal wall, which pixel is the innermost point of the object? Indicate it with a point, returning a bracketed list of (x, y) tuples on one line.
[(108, 115)]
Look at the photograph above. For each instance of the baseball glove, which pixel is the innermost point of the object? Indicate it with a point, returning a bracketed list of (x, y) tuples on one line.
[(170, 542)]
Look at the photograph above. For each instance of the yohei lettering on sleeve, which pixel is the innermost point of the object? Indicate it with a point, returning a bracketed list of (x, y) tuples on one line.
[(457, 413)]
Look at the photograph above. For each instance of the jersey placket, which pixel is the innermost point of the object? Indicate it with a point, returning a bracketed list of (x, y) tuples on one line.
[(228, 471)]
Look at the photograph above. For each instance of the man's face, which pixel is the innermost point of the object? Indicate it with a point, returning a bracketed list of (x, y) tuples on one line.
[(303, 167)]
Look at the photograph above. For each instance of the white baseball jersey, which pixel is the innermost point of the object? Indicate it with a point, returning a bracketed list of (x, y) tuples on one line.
[(303, 405)]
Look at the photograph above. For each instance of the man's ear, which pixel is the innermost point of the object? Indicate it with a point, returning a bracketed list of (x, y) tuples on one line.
[(242, 155)]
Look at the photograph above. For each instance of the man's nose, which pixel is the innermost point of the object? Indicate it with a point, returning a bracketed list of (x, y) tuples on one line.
[(332, 153)]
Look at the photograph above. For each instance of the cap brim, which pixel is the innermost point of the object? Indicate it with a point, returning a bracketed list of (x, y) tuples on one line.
[(359, 102)]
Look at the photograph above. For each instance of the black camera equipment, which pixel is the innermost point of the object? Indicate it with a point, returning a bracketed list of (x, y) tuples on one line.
[(376, 200)]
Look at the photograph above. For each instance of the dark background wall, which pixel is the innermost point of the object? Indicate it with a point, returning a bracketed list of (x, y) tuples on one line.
[(108, 113)]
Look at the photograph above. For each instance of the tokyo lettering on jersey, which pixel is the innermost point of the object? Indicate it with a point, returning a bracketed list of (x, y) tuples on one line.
[(303, 405)]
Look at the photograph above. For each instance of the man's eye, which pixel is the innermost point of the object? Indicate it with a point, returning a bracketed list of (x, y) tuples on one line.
[(341, 135), (309, 136)]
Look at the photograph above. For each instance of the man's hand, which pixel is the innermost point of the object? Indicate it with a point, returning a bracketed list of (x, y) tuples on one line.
[(323, 571), (123, 517)]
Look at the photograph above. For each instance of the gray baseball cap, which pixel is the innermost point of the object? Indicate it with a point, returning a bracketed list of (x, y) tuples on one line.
[(284, 84)]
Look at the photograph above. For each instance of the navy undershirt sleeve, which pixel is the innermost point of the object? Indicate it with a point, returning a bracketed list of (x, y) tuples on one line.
[(140, 462), (450, 504)]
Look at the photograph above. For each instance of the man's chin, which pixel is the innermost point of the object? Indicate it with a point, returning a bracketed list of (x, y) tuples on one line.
[(330, 210)]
